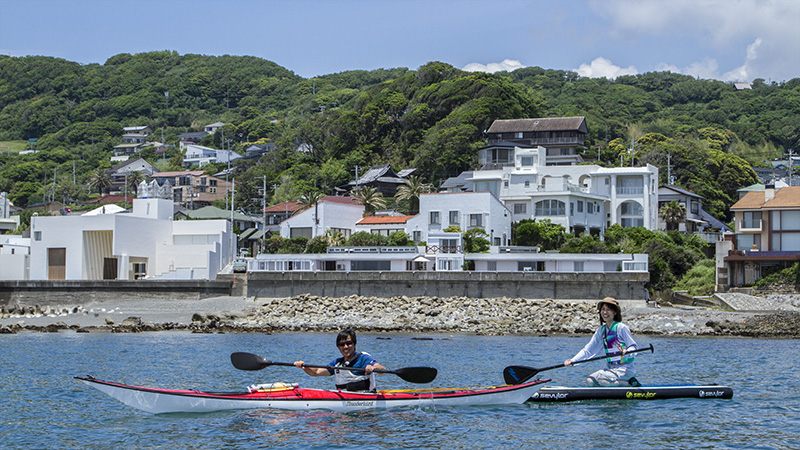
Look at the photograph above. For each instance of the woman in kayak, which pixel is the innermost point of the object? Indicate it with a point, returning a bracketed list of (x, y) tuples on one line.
[(613, 336), (345, 379)]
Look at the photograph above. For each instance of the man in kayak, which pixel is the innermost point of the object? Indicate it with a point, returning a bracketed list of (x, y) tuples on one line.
[(613, 336), (345, 379)]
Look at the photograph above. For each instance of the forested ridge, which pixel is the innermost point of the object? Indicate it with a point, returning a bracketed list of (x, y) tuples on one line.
[(432, 118)]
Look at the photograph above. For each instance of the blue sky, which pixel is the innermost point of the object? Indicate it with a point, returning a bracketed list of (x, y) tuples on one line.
[(730, 40)]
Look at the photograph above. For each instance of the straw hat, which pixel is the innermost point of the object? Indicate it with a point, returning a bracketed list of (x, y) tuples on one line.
[(610, 301)]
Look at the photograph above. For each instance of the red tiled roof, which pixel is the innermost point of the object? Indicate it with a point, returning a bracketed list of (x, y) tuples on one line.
[(345, 200), (282, 207), (383, 220)]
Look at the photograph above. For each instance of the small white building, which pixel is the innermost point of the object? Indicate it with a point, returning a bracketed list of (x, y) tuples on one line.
[(145, 243), (14, 257), (334, 213), (466, 210)]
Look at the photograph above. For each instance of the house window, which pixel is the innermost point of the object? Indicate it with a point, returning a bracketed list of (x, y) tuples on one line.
[(571, 208), (505, 183), (578, 266), (631, 215), (520, 208), (344, 231), (518, 135), (752, 219), (435, 218), (590, 207), (475, 220), (580, 206), (212, 182), (453, 217), (695, 207), (630, 186), (497, 241), (37, 235), (527, 183), (527, 161), (417, 236), (491, 265), (551, 208)]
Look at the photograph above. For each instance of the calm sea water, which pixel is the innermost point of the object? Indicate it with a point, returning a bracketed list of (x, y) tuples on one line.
[(43, 407)]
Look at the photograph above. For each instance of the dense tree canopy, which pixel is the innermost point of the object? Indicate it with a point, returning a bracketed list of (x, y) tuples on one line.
[(432, 118)]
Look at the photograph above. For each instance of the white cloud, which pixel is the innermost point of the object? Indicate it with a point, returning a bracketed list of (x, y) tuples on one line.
[(507, 65), (603, 68), (720, 28), (742, 73)]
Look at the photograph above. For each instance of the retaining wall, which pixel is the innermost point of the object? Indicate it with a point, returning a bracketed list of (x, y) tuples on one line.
[(80, 292), (538, 285)]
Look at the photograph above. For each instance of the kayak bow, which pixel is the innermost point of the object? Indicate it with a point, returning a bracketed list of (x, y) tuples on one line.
[(292, 397)]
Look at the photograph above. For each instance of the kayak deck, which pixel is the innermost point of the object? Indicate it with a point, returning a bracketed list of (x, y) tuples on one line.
[(292, 397), (568, 394)]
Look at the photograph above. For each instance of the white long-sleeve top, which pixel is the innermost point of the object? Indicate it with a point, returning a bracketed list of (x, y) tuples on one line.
[(596, 347)]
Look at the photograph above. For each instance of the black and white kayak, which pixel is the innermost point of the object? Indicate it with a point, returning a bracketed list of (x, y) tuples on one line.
[(569, 394)]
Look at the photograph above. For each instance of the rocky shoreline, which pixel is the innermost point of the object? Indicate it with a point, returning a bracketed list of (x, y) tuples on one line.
[(497, 316)]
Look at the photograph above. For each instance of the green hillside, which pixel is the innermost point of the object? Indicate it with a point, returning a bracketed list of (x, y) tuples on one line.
[(431, 118)]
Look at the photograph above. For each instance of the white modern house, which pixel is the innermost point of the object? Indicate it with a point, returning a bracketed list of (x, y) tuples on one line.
[(334, 213), (145, 243), (197, 155), (466, 210), (581, 198), (14, 257)]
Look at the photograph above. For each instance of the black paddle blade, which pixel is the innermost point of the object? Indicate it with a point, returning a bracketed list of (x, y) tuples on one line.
[(248, 361), (518, 374), (416, 374)]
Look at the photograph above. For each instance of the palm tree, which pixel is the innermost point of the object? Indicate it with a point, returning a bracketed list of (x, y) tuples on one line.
[(370, 199), (99, 180), (134, 179), (310, 198), (673, 213), (411, 191)]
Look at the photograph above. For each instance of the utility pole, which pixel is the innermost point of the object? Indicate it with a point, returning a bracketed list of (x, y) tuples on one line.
[(791, 153), (264, 202), (233, 242), (356, 179)]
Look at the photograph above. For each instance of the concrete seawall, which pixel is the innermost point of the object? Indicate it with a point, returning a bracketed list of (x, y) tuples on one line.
[(535, 285), (81, 292)]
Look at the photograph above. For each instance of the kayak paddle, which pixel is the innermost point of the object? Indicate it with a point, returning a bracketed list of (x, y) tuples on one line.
[(249, 361), (521, 374)]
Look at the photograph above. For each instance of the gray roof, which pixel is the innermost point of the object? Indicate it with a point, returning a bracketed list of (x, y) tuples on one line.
[(382, 173), (680, 191), (541, 124), (713, 221), (458, 181)]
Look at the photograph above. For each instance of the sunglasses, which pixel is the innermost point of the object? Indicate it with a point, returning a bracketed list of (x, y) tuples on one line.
[(343, 343)]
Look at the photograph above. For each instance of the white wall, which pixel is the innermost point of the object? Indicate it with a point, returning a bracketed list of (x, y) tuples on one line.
[(331, 215)]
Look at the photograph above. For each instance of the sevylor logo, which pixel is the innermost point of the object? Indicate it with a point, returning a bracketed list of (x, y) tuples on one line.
[(644, 395), (551, 396), (711, 394)]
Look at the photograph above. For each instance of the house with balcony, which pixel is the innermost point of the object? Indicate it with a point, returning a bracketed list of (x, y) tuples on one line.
[(581, 198), (198, 156), (213, 127), (193, 188), (276, 214), (563, 137), (466, 210), (767, 236), (120, 172)]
